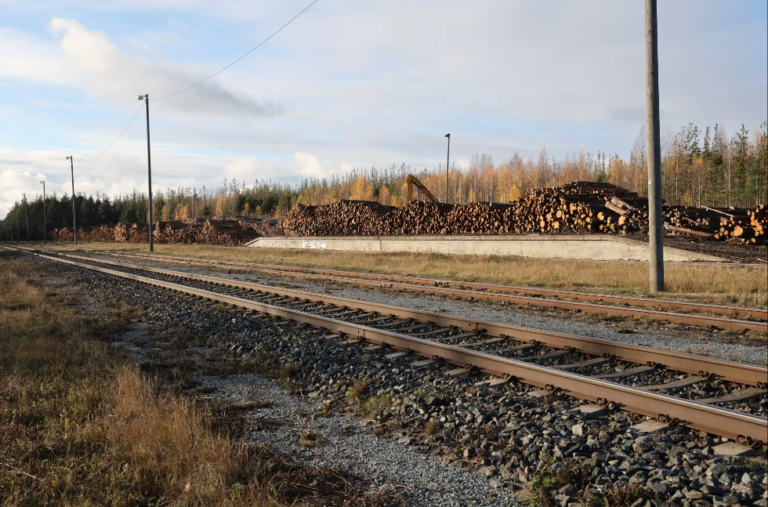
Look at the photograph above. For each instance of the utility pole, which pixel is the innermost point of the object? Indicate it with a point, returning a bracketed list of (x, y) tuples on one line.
[(655, 217), (74, 219), (45, 229), (145, 98), (18, 228), (447, 168), (26, 220)]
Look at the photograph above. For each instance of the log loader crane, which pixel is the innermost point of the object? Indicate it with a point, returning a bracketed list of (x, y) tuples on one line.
[(423, 191)]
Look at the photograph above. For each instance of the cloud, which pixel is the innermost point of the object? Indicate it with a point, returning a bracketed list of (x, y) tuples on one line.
[(14, 184), (90, 61), (308, 165), (358, 84)]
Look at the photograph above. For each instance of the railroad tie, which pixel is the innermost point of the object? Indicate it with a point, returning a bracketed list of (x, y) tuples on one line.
[(632, 372), (549, 355), (483, 342), (740, 395), (693, 379), (595, 361), (421, 364)]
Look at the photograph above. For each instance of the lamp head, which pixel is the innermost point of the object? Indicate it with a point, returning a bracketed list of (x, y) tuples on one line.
[(141, 97), (448, 136), (69, 158)]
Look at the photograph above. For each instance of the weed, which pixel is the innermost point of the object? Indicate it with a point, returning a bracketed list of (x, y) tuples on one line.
[(432, 427), (288, 371), (375, 404), (309, 439), (358, 390)]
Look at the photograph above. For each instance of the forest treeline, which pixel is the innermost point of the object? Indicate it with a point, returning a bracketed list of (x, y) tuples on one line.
[(698, 168)]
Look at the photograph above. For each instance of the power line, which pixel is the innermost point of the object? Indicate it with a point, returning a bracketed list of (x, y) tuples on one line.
[(243, 56), (117, 139), (204, 80)]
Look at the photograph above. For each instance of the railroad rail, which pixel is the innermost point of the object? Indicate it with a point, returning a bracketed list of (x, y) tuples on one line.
[(566, 300), (385, 326)]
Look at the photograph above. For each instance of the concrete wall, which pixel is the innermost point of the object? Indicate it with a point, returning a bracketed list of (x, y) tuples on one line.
[(607, 248)]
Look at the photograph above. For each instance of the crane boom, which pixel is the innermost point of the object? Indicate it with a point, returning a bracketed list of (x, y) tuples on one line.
[(412, 181)]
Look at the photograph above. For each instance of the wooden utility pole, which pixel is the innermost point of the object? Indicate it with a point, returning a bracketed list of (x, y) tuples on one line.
[(655, 217)]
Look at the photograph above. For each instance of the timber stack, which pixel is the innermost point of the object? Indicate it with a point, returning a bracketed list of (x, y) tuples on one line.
[(343, 218), (418, 218), (480, 218)]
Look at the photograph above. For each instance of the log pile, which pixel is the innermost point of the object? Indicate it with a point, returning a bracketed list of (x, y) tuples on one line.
[(738, 225), (481, 218), (100, 233), (418, 218), (121, 233), (138, 234), (343, 218), (63, 234)]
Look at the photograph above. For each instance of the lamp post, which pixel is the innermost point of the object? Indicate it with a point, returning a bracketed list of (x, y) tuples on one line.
[(45, 229), (145, 98), (26, 221), (447, 166), (74, 219)]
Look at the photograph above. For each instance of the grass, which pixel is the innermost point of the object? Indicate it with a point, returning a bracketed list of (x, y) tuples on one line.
[(81, 425), (552, 475), (737, 285), (288, 371), (432, 427)]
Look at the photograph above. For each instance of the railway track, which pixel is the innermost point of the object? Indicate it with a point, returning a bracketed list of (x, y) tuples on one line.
[(594, 370), (695, 314)]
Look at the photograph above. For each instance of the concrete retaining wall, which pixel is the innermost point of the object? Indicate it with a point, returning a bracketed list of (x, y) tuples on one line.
[(606, 248)]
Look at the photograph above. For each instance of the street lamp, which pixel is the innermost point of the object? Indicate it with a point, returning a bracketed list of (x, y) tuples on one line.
[(45, 229), (447, 165), (145, 98), (74, 219)]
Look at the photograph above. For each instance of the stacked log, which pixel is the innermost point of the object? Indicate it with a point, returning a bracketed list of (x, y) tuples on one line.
[(480, 218), (418, 218), (343, 218), (212, 232), (121, 233), (743, 225), (63, 234), (138, 234), (101, 233)]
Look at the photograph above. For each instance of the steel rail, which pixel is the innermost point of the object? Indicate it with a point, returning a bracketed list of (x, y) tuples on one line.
[(502, 293), (732, 311), (689, 363), (738, 426)]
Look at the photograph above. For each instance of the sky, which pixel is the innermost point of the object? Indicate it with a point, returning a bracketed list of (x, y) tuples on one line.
[(351, 84)]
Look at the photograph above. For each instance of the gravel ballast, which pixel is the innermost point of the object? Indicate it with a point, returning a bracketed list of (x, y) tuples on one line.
[(520, 439)]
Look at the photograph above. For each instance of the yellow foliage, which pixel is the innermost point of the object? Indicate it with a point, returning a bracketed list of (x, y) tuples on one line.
[(361, 190)]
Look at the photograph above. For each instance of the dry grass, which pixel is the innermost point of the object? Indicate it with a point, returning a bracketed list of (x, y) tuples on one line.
[(79, 425), (745, 286), (432, 427)]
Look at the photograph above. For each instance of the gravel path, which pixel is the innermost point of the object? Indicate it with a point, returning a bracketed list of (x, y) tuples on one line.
[(344, 443)]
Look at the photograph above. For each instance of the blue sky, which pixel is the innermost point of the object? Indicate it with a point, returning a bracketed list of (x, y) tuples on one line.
[(352, 84)]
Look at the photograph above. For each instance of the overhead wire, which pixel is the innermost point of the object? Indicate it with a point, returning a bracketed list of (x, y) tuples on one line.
[(204, 80), (243, 56), (117, 138)]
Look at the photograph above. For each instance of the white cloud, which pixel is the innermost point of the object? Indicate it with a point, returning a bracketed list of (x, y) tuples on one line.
[(88, 60), (363, 84), (308, 165)]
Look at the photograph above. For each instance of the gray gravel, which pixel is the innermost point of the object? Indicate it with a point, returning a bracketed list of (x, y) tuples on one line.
[(507, 432), (345, 444), (482, 310)]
